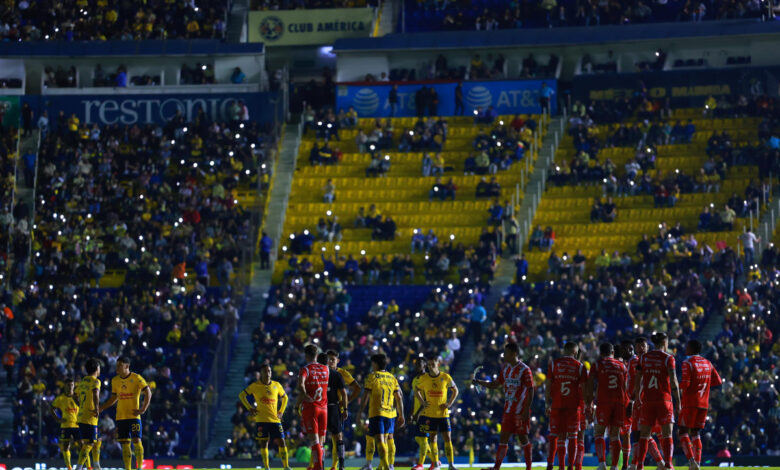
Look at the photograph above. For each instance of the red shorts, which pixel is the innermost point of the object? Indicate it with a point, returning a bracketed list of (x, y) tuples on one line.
[(564, 420), (611, 414), (627, 423), (693, 418), (582, 418), (314, 420), (656, 413), (514, 424)]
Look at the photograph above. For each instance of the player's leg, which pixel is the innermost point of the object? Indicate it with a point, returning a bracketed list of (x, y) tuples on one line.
[(95, 454), (390, 450), (433, 453), (138, 450), (652, 448), (446, 434), (65, 449), (696, 444), (381, 448), (644, 436), (503, 446), (580, 449), (340, 450), (86, 447), (127, 453), (552, 439), (262, 443), (625, 443), (614, 446), (525, 443), (421, 436), (600, 444), (562, 449), (370, 449), (667, 443), (685, 442)]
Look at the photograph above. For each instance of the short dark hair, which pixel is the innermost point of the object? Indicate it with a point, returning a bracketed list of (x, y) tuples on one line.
[(124, 360), (607, 349), (431, 356), (91, 365), (68, 379), (332, 353), (512, 346), (322, 358), (570, 347), (659, 337), (695, 346), (311, 350), (380, 360), (639, 340)]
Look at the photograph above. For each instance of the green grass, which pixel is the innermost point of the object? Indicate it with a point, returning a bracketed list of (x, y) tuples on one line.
[(522, 465)]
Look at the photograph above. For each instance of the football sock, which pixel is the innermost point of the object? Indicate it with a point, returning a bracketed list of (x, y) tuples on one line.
[(340, 451), (500, 454), (96, 454), (571, 458), (696, 444), (641, 453), (667, 447), (552, 443), (450, 452), (333, 454), (423, 443), (652, 447), (127, 456), (139, 454), (284, 456), (390, 450), (84, 454), (561, 447), (384, 462), (634, 452), (264, 456), (626, 451), (527, 455), (685, 443), (600, 449), (614, 451), (370, 448), (316, 452), (66, 455), (434, 449), (580, 452)]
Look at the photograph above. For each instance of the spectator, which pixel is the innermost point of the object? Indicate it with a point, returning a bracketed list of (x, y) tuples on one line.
[(749, 239), (266, 245), (238, 76), (545, 95), (121, 77), (43, 124), (329, 191)]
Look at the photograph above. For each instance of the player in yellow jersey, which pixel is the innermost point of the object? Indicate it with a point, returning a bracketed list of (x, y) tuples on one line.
[(270, 401), (66, 404), (88, 393), (385, 402), (337, 437), (431, 448), (433, 390), (126, 389)]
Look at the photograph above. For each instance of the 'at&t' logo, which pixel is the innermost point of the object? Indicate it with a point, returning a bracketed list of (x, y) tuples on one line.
[(479, 96), (366, 101), (271, 28)]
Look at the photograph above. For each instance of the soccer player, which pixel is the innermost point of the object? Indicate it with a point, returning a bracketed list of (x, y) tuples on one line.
[(385, 402), (640, 346), (88, 393), (433, 389), (626, 353), (313, 393), (698, 376), (354, 393), (431, 448), (126, 389), (608, 377), (66, 404), (518, 384), (337, 408), (657, 381), (565, 375), (270, 401)]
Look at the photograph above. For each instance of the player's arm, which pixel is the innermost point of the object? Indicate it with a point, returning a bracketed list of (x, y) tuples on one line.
[(298, 406), (108, 403), (526, 413), (492, 385), (147, 393), (548, 389), (354, 391), (282, 404), (453, 389), (589, 387), (95, 402), (637, 381), (675, 388), (685, 380), (53, 411), (242, 397), (341, 393), (363, 404), (399, 406), (302, 389)]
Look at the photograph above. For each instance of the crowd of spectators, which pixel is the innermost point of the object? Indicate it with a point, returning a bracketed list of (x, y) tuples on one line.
[(310, 4), (77, 20), (156, 206), (487, 15), (9, 135)]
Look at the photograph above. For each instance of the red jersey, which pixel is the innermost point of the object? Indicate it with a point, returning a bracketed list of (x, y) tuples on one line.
[(698, 375), (632, 366), (656, 385), (611, 376), (566, 376), (315, 382), (518, 385)]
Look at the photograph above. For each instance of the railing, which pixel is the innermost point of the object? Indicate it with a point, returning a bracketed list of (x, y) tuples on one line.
[(34, 189)]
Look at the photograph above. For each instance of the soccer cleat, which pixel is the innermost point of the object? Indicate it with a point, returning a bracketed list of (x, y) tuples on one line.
[(418, 467), (391, 467), (452, 467), (614, 467), (693, 465), (602, 466), (287, 468), (436, 465), (631, 467), (367, 466), (661, 465)]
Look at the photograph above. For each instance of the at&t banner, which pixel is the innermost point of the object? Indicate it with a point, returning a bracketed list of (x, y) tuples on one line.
[(506, 97), (303, 27)]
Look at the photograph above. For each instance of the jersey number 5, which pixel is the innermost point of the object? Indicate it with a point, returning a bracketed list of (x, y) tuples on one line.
[(565, 390)]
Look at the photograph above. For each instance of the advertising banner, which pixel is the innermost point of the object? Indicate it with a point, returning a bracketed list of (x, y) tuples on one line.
[(9, 111), (506, 97), (682, 88), (154, 108), (307, 27)]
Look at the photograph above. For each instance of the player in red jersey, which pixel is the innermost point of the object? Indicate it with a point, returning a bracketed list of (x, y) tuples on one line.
[(608, 375), (518, 384), (657, 385), (313, 388), (563, 395), (698, 376), (640, 345), (626, 353)]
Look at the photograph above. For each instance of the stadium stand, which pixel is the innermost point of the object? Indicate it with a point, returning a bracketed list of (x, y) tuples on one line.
[(9, 149)]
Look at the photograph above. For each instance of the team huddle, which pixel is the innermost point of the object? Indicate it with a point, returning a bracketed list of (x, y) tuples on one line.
[(630, 393), (77, 410)]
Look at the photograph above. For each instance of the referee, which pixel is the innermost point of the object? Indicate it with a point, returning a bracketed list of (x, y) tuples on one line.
[(337, 407)]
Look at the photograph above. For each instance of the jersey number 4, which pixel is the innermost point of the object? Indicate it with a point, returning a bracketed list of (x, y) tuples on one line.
[(653, 383)]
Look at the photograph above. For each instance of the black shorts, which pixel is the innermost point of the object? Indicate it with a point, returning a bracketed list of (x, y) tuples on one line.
[(69, 434), (433, 425), (88, 432), (128, 429), (335, 420), (269, 431)]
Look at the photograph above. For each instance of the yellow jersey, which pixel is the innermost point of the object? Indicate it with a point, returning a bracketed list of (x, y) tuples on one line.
[(434, 389), (381, 387), (416, 401), (267, 398), (87, 405), (68, 410), (348, 379), (128, 391)]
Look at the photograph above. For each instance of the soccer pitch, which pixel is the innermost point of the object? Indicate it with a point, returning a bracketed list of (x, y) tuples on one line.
[(487, 465)]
